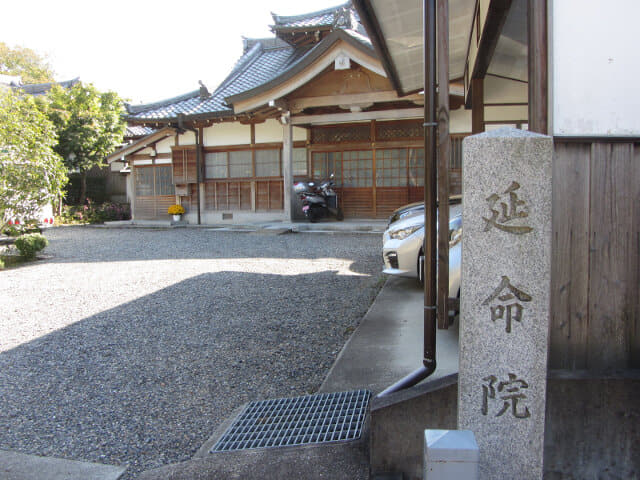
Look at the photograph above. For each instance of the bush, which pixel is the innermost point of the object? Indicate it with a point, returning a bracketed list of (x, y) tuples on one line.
[(91, 213), (16, 230), (30, 244)]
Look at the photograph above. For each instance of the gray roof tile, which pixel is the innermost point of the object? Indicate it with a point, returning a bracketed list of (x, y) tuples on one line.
[(254, 68), (322, 18), (137, 131), (262, 61)]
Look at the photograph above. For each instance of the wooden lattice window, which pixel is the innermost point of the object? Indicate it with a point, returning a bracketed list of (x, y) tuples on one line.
[(164, 180), (144, 181), (357, 168), (386, 131), (240, 164), (341, 134), (324, 164), (391, 167), (268, 163), (300, 161), (184, 166), (216, 165)]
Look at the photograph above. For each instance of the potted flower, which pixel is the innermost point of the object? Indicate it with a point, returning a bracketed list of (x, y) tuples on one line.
[(176, 211)]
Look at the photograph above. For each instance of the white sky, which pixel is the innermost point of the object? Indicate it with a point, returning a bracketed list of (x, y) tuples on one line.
[(143, 50)]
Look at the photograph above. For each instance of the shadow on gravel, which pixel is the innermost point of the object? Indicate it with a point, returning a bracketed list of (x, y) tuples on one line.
[(146, 383), (78, 244)]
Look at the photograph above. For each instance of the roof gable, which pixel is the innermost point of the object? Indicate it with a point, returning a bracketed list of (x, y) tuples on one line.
[(338, 43), (264, 64)]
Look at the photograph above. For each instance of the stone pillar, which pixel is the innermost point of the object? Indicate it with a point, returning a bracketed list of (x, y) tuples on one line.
[(287, 166), (506, 256)]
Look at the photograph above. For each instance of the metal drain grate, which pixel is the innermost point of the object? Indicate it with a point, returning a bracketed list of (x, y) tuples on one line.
[(321, 418)]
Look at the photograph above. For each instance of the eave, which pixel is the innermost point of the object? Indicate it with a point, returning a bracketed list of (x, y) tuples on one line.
[(141, 144)]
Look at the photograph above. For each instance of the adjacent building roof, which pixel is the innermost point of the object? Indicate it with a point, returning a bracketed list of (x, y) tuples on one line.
[(140, 144), (263, 61), (42, 88), (137, 131), (340, 16), (10, 80)]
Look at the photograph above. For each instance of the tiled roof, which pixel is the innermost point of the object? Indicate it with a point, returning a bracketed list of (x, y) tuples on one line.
[(137, 131), (42, 88), (255, 67), (322, 18), (263, 60)]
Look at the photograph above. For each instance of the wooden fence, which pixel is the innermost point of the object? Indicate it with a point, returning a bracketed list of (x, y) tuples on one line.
[(595, 279)]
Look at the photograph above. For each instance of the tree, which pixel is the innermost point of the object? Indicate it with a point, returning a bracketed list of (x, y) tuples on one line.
[(89, 126), (31, 173), (24, 62)]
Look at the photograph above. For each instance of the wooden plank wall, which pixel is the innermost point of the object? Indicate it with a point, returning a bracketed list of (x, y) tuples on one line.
[(595, 280)]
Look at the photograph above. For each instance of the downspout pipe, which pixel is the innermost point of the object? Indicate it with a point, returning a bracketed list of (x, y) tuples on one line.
[(430, 213), (198, 159)]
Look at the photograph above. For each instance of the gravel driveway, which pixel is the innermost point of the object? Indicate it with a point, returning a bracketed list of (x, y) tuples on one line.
[(130, 346)]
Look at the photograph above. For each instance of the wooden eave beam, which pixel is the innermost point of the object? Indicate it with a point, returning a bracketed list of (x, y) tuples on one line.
[(358, 116), (491, 30), (299, 104)]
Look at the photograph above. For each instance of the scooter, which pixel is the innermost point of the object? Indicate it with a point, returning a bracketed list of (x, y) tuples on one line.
[(319, 201)]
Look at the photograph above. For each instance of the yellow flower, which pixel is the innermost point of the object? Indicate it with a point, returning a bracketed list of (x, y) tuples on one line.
[(176, 210)]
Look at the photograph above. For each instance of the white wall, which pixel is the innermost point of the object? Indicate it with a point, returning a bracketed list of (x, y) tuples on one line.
[(188, 138), (595, 66), (460, 121), (226, 133), (269, 131), (164, 146)]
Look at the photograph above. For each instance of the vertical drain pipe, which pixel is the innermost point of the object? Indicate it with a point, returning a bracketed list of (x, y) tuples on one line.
[(430, 188)]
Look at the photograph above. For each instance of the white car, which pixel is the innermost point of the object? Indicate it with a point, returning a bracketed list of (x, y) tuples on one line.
[(403, 240)]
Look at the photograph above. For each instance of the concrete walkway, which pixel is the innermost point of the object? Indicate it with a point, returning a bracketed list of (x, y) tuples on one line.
[(18, 466), (350, 226), (384, 348), (388, 343)]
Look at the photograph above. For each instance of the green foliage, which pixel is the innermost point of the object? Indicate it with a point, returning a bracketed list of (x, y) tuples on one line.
[(1, 264), (24, 62), (91, 213), (30, 244), (89, 124), (26, 227), (96, 189), (31, 173)]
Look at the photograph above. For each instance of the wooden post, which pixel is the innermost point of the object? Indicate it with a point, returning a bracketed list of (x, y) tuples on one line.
[(443, 162), (538, 66), (287, 166), (477, 105)]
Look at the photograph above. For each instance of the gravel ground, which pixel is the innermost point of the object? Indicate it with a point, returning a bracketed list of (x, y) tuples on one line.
[(130, 346)]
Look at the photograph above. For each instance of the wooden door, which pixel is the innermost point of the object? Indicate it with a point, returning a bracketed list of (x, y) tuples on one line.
[(154, 192)]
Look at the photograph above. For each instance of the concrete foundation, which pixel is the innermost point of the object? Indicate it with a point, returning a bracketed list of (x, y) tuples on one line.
[(398, 422)]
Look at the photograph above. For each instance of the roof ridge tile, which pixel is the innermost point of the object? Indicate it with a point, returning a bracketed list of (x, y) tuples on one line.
[(279, 19), (161, 103)]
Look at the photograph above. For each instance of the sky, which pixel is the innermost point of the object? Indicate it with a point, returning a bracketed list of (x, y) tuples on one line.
[(144, 50)]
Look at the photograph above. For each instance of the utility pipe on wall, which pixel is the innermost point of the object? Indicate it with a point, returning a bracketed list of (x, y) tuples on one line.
[(430, 190)]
